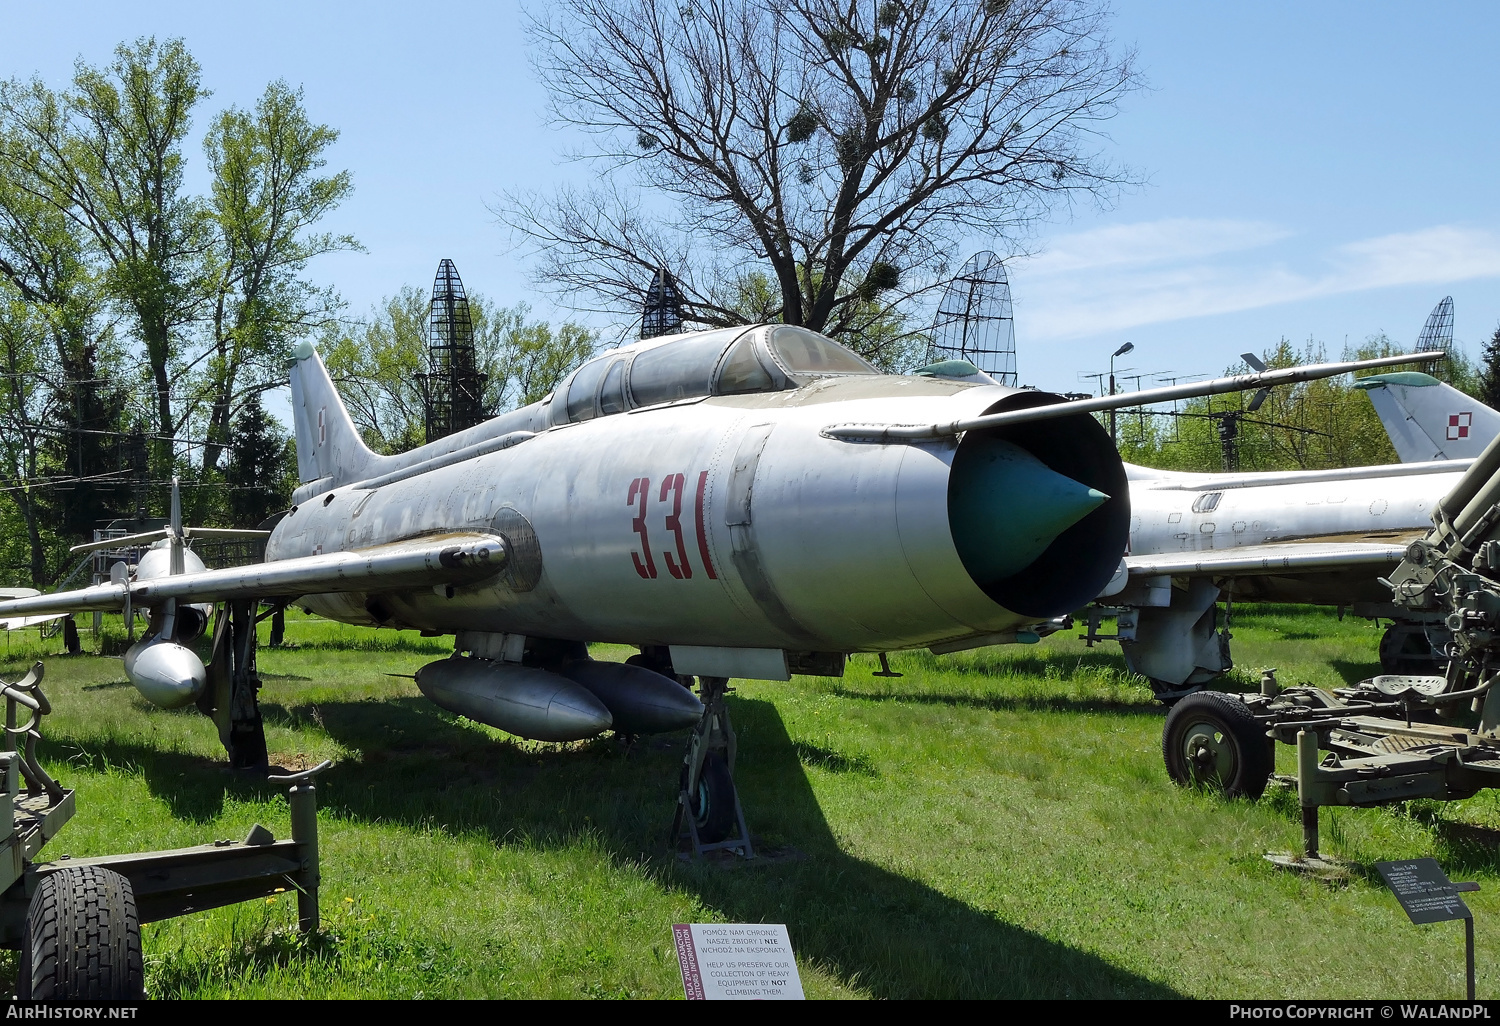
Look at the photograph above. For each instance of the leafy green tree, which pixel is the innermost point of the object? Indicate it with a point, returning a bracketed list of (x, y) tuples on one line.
[(24, 398), (1307, 426), (267, 194), (377, 362), (107, 154), (1487, 390), (45, 260), (261, 471)]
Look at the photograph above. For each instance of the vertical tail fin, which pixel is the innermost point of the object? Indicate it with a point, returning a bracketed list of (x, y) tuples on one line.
[(1429, 420), (328, 443)]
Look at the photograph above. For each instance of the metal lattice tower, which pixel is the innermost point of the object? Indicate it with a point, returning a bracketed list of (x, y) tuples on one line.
[(974, 320), (452, 388), (661, 314), (1437, 333)]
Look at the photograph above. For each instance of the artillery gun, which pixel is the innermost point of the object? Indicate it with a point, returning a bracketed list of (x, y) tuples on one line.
[(1391, 737)]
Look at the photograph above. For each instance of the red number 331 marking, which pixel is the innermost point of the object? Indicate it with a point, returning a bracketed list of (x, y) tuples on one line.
[(678, 565)]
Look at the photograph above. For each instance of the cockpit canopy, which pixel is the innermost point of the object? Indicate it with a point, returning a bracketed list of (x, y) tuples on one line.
[(726, 361)]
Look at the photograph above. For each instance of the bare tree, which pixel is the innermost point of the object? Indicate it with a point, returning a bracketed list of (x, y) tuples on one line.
[(840, 148)]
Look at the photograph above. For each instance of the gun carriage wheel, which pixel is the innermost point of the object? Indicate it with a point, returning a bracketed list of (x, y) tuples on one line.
[(1211, 740)]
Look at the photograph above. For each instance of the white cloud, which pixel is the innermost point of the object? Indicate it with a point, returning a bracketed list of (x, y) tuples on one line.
[(1151, 242), (1113, 279)]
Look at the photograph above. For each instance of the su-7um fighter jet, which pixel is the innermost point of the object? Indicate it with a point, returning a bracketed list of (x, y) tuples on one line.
[(750, 502)]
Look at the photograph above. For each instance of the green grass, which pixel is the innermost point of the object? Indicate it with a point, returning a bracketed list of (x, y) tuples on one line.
[(992, 824)]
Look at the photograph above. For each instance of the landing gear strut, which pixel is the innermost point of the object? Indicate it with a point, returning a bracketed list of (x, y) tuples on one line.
[(708, 805), (231, 695)]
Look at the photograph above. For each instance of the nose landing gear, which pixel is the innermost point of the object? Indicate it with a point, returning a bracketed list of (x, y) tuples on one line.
[(708, 804)]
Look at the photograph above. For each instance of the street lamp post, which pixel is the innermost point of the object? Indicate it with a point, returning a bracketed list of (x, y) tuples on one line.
[(1127, 347)]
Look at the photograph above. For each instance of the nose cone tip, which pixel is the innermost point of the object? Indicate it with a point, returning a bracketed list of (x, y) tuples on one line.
[(1006, 507)]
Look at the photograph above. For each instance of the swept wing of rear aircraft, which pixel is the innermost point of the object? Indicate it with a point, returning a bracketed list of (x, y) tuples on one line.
[(749, 502)]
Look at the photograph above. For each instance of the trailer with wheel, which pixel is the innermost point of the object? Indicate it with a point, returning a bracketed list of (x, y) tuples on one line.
[(77, 922), (1392, 737)]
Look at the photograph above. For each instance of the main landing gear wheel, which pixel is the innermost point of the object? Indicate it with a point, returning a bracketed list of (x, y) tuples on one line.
[(82, 940), (1211, 740), (712, 807)]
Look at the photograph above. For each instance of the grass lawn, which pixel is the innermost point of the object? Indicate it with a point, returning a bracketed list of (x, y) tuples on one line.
[(992, 824)]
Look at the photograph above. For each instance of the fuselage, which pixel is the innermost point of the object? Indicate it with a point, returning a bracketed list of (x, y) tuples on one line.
[(1177, 512), (731, 520)]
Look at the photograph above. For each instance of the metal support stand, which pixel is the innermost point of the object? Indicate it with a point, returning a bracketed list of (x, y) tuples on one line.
[(714, 734), (1469, 950), (1311, 860), (303, 798)]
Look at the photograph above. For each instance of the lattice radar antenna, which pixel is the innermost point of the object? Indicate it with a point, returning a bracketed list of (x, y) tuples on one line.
[(1437, 333), (452, 388), (661, 313), (974, 320)]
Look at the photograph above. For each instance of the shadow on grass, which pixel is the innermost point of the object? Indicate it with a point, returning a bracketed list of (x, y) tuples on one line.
[(891, 935), (1007, 703), (1352, 671)]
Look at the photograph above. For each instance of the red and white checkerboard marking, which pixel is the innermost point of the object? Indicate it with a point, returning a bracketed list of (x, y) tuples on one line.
[(1458, 425)]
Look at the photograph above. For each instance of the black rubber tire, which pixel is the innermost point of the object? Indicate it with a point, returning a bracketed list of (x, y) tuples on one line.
[(82, 940), (1242, 757), (712, 808), (1407, 649)]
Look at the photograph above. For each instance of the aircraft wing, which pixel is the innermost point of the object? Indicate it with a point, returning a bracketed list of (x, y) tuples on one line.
[(1266, 560), (430, 560), (15, 623)]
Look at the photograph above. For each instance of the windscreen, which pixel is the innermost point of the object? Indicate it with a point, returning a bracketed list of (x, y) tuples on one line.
[(806, 352), (743, 373), (581, 391), (678, 370)]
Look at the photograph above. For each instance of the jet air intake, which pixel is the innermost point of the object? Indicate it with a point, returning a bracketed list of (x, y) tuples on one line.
[(1039, 511)]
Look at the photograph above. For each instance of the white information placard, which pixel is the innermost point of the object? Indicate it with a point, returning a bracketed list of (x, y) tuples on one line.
[(737, 962)]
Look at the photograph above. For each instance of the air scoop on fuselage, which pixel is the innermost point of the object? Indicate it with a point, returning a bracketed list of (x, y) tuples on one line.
[(1006, 507)]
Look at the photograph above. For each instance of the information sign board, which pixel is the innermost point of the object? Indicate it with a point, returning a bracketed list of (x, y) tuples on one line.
[(736, 961), (1423, 890)]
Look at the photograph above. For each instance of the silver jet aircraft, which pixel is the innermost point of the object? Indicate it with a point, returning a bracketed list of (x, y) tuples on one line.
[(1321, 537), (750, 502)]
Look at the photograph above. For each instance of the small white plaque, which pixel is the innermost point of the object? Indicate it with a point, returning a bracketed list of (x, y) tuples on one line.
[(737, 962)]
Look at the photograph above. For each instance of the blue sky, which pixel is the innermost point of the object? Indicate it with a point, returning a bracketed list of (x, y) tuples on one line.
[(1315, 171)]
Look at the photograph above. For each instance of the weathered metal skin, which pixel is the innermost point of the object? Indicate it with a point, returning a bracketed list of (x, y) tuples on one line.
[(726, 521), (641, 701), (521, 699), (1168, 516), (164, 672)]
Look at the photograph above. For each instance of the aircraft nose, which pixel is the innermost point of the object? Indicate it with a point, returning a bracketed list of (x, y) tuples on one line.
[(1005, 507)]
